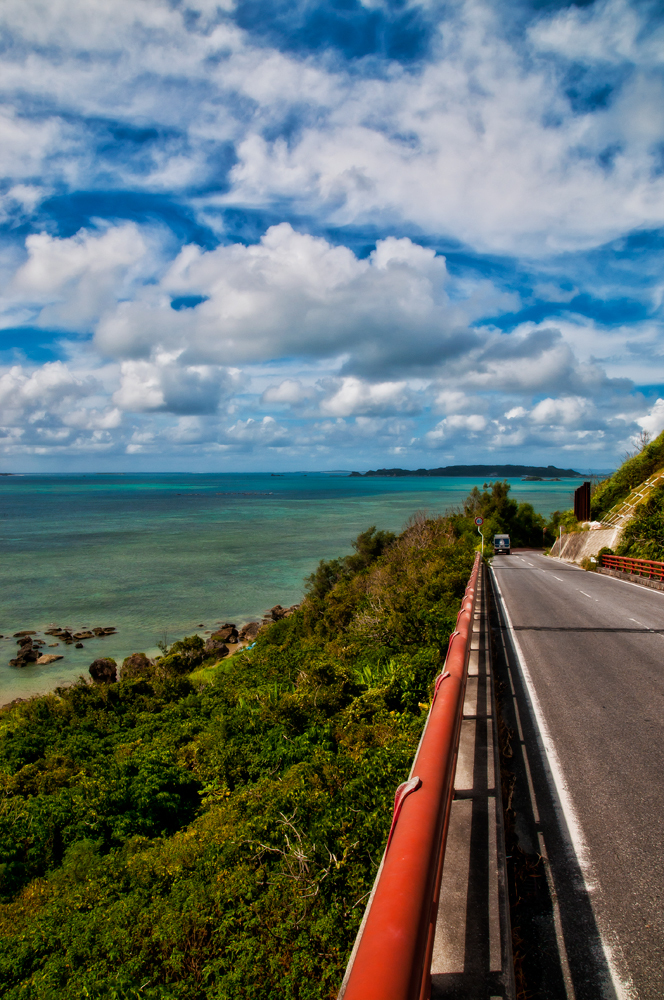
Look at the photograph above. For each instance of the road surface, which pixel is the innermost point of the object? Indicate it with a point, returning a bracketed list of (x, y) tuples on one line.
[(587, 662)]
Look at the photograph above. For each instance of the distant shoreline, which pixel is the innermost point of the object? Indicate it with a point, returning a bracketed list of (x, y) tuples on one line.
[(489, 471)]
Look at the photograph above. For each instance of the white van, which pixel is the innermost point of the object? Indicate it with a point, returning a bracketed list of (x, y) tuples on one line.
[(501, 543)]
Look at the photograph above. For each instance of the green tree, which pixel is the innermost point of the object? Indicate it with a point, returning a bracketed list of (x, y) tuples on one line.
[(503, 515), (368, 545)]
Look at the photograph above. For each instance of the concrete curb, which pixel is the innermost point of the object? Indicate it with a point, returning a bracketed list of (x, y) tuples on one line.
[(472, 956), (640, 581)]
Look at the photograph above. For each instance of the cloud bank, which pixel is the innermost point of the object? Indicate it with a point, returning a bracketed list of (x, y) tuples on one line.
[(244, 233)]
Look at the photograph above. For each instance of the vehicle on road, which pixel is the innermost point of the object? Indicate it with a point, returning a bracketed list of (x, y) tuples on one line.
[(501, 544)]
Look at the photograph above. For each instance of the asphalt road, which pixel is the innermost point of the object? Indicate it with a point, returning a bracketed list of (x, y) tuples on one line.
[(596, 668)]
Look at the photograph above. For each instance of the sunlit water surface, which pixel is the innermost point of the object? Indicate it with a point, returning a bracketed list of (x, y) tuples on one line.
[(162, 556)]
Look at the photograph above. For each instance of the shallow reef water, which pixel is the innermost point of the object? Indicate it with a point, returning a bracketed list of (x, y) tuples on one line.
[(162, 556)]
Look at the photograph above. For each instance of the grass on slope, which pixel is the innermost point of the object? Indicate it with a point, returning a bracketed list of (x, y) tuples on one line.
[(631, 473), (643, 537)]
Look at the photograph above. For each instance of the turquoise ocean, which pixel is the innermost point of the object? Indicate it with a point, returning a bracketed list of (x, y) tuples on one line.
[(163, 556)]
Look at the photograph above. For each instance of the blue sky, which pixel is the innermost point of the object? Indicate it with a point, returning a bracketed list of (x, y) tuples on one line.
[(304, 235)]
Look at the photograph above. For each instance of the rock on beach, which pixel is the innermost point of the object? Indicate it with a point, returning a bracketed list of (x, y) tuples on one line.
[(278, 612), (215, 647), (249, 631), (227, 633)]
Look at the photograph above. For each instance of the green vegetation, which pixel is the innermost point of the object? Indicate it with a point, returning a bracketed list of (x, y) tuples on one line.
[(212, 830), (164, 837), (634, 470), (368, 546), (564, 519), (504, 516), (643, 537)]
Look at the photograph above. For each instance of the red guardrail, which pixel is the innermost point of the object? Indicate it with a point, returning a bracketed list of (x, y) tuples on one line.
[(640, 567), (392, 955)]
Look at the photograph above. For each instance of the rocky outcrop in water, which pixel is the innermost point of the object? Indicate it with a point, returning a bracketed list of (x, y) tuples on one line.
[(47, 658), (60, 633), (27, 652), (68, 635)]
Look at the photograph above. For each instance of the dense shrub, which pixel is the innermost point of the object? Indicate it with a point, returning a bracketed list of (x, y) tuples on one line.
[(215, 834), (184, 656), (368, 545), (564, 519)]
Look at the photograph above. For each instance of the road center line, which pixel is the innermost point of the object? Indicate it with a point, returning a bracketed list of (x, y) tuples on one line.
[(588, 596)]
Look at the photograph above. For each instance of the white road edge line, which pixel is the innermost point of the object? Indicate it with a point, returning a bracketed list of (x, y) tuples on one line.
[(649, 627), (624, 989)]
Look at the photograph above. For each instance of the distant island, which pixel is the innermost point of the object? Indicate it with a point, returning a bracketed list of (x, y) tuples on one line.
[(509, 471)]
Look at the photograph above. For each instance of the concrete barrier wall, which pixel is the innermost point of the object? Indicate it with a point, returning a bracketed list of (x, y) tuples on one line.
[(642, 581), (583, 544)]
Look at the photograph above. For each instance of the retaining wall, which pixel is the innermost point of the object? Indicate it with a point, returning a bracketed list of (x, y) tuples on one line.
[(583, 544)]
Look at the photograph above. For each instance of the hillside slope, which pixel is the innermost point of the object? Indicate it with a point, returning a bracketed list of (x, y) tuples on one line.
[(622, 512), (643, 536), (632, 473), (166, 837), (211, 831)]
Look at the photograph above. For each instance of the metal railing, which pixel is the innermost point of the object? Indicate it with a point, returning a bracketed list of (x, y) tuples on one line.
[(640, 567), (391, 959)]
